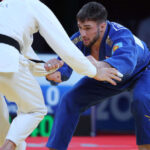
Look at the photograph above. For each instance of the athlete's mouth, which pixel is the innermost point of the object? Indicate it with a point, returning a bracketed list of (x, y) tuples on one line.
[(85, 40)]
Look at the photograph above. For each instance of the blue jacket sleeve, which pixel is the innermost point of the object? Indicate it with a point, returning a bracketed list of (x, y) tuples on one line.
[(65, 71), (124, 54)]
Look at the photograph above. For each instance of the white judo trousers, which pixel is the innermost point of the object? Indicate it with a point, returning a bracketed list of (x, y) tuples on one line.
[(22, 88), (4, 124), (4, 120)]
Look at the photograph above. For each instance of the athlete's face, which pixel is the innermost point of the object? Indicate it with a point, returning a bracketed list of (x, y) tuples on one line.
[(90, 32)]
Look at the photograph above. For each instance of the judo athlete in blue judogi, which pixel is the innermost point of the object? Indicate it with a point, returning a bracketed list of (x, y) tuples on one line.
[(107, 45)]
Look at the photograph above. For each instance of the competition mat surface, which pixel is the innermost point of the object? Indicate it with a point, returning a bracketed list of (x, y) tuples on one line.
[(102, 142)]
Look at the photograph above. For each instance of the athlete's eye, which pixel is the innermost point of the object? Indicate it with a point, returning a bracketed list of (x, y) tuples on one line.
[(87, 29)]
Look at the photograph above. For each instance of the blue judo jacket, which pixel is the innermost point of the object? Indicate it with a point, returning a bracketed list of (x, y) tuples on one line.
[(119, 47)]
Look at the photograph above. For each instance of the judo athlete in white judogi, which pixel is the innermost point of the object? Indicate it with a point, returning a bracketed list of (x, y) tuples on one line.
[(37, 69), (19, 20)]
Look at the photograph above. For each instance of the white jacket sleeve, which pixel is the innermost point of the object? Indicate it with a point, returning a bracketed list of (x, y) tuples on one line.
[(56, 37), (30, 54)]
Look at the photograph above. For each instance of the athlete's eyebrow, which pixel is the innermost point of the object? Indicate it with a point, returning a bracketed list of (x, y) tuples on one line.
[(86, 25)]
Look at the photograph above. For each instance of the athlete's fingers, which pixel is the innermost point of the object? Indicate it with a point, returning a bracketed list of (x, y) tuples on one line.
[(119, 74), (112, 71), (115, 72), (56, 76), (47, 66), (53, 64), (112, 76), (49, 77), (51, 67), (111, 81), (61, 63), (56, 63)]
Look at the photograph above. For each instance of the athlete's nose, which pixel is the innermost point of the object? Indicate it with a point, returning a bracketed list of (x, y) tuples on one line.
[(83, 33)]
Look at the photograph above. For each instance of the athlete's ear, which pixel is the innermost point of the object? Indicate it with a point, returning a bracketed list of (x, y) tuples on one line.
[(102, 26)]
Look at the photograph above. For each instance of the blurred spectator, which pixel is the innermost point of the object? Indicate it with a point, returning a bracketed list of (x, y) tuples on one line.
[(143, 31)]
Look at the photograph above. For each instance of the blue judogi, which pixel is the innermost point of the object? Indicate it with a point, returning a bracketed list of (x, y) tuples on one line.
[(129, 55)]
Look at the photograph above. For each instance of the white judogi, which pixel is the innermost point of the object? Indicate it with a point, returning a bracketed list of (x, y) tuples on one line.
[(20, 19)]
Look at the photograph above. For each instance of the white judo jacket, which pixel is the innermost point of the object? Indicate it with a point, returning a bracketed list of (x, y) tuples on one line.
[(20, 19)]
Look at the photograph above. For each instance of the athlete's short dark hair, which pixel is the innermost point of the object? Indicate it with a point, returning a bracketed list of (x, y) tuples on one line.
[(92, 11)]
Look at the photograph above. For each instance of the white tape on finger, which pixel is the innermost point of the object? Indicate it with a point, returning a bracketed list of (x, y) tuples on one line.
[(119, 74), (49, 65)]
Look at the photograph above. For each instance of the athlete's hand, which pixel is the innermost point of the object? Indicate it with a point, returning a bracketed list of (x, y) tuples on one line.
[(105, 72), (56, 77), (53, 64)]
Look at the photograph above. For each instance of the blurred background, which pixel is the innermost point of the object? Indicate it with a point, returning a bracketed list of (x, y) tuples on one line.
[(113, 115), (131, 13)]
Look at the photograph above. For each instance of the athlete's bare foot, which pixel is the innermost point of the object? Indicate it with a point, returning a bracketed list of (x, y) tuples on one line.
[(8, 145)]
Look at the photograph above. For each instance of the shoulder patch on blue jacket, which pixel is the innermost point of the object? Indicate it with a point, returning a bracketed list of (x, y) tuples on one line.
[(77, 39), (116, 46)]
